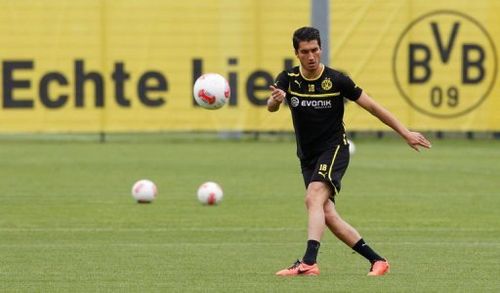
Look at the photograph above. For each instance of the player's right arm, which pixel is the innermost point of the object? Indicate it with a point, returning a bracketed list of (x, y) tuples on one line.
[(278, 93), (276, 98)]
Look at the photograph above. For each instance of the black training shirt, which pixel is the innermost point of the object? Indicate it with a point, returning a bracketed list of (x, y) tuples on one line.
[(317, 107)]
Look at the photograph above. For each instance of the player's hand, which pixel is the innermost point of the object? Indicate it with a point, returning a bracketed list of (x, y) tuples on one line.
[(416, 140), (277, 94)]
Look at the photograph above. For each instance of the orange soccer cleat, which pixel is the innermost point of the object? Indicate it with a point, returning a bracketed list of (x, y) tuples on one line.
[(379, 268), (300, 269)]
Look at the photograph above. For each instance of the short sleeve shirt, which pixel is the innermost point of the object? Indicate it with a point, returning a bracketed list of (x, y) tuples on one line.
[(317, 108)]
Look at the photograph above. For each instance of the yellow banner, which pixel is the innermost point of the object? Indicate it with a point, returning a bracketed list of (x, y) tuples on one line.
[(126, 65), (434, 64)]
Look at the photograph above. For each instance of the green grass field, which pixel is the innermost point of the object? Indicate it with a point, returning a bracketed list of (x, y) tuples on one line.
[(68, 222)]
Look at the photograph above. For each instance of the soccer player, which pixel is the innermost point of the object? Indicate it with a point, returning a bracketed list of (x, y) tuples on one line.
[(315, 95)]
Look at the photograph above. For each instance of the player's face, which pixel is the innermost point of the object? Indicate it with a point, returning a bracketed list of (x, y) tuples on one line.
[(309, 54)]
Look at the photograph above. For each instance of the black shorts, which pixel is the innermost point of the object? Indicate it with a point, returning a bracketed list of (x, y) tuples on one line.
[(328, 167)]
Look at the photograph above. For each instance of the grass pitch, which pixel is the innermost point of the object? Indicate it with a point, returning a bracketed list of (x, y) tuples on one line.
[(68, 222)]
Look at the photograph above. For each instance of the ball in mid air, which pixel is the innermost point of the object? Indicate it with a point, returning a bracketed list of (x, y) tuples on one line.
[(211, 91)]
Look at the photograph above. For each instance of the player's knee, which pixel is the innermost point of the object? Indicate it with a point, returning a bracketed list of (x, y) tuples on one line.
[(310, 200), (317, 194), (317, 187)]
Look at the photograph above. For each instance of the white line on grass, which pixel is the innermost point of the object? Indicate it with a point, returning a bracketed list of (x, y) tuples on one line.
[(218, 244), (232, 229)]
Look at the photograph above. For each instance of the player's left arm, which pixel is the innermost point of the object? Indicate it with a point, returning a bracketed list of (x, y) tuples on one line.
[(414, 139)]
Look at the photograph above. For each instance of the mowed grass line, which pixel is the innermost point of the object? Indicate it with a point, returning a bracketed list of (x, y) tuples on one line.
[(68, 222)]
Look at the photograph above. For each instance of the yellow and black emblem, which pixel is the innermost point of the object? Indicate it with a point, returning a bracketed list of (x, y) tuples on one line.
[(326, 84)]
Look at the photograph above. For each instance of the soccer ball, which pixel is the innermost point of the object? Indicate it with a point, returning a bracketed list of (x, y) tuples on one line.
[(352, 147), (210, 193), (211, 91), (144, 191)]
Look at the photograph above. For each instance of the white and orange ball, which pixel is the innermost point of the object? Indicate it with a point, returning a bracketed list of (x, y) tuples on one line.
[(210, 193), (144, 191), (211, 91)]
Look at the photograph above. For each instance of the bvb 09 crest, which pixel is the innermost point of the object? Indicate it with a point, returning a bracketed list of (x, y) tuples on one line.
[(326, 84), (445, 64)]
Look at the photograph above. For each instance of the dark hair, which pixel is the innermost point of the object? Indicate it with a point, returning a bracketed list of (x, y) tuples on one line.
[(306, 34)]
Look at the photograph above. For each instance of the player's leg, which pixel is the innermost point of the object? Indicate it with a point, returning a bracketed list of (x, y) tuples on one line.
[(316, 196), (350, 236), (330, 163), (340, 228), (336, 162)]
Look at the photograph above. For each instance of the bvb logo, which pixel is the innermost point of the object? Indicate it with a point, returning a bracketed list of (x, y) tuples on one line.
[(326, 84), (445, 64)]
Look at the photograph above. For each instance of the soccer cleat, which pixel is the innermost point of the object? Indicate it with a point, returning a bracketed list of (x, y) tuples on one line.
[(379, 268), (300, 268)]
